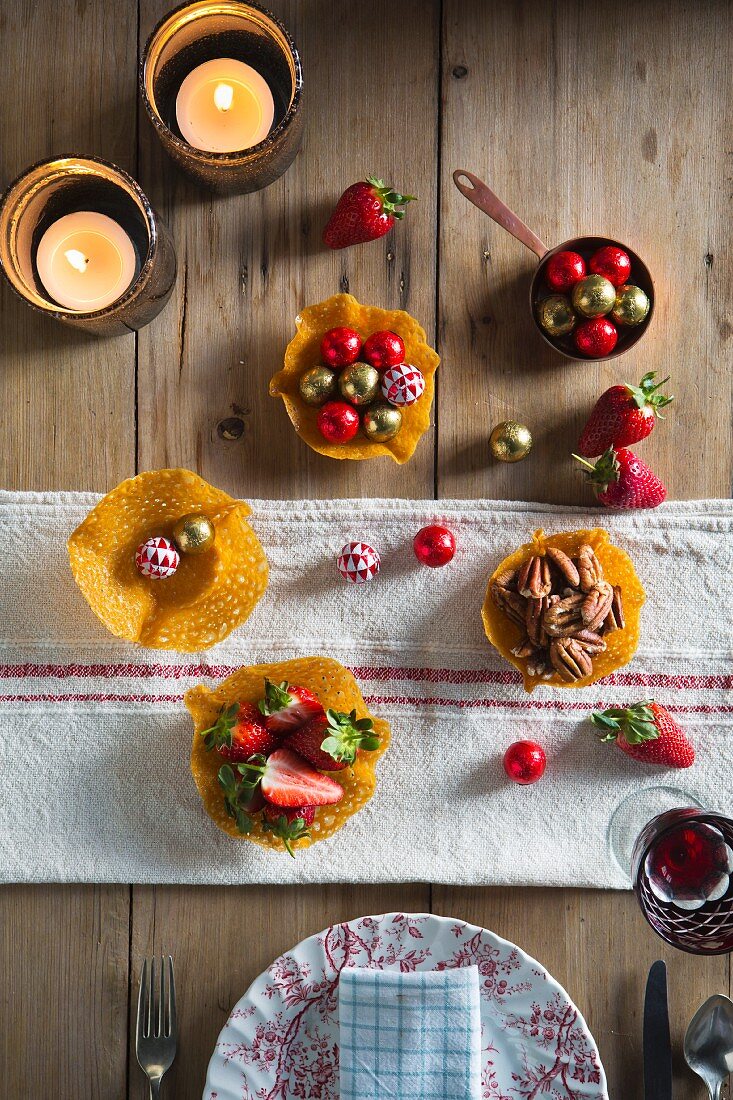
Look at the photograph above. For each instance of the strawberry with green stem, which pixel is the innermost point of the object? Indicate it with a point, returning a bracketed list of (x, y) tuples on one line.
[(241, 798), (647, 732), (288, 706), (287, 780), (623, 415), (332, 740), (366, 211), (240, 732), (289, 825), (621, 480)]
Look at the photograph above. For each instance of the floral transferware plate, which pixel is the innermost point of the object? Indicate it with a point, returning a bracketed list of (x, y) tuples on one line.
[(281, 1040)]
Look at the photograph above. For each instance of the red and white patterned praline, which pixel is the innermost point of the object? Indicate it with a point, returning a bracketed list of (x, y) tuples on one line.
[(403, 385), (358, 562), (157, 558)]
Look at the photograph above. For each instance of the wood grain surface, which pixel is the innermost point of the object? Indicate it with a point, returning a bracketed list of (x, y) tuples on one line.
[(584, 119)]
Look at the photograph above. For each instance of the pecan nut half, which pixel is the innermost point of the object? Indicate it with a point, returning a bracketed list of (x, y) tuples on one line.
[(597, 604), (590, 641), (511, 603), (590, 570), (564, 618), (535, 614), (570, 659), (506, 579), (564, 565), (525, 648), (615, 618), (533, 578)]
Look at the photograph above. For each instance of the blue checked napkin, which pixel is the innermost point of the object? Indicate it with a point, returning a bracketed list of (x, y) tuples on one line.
[(410, 1036)]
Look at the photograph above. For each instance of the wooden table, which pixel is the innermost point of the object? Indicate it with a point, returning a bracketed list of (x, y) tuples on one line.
[(585, 118)]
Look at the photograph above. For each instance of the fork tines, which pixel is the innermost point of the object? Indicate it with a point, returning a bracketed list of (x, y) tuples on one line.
[(157, 1028)]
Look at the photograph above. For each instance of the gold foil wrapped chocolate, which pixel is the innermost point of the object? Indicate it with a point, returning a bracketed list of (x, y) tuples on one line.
[(631, 305), (556, 315), (594, 296), (510, 441)]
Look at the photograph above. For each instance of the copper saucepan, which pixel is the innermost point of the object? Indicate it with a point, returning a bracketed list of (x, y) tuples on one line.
[(476, 191)]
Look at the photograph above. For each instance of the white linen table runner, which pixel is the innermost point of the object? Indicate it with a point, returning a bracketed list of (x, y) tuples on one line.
[(94, 738)]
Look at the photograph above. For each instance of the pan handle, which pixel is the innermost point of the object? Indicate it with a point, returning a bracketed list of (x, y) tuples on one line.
[(484, 198)]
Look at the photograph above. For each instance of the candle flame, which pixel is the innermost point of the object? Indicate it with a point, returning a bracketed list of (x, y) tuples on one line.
[(77, 259), (223, 96)]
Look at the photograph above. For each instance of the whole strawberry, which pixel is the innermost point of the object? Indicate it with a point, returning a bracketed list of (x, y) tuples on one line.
[(621, 480), (623, 415), (240, 732), (331, 741), (647, 732), (366, 211)]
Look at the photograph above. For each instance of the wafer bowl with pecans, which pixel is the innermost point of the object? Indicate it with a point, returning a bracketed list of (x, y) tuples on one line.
[(565, 609)]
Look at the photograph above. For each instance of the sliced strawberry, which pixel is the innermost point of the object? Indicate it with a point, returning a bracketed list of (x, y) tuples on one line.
[(288, 706), (331, 741), (287, 780), (289, 825), (240, 732), (241, 798)]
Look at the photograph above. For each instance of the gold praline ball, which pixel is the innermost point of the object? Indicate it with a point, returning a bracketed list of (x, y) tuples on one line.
[(594, 296), (510, 441), (631, 305), (193, 533), (317, 385), (359, 383), (556, 315), (382, 422)]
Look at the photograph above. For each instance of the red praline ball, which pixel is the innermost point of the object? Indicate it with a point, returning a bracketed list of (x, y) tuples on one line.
[(434, 546), (611, 262), (596, 337), (338, 422), (340, 347), (564, 270), (383, 350), (525, 762)]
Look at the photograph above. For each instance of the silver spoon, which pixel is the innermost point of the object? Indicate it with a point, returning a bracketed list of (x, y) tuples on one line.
[(709, 1043)]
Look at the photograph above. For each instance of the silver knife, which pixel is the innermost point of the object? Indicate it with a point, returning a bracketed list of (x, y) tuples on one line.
[(657, 1044)]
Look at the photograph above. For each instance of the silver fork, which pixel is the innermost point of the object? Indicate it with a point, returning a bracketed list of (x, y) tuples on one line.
[(157, 1028)]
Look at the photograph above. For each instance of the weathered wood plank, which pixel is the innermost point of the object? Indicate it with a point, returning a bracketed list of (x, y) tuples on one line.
[(63, 997), (585, 119), (67, 83), (222, 938), (249, 263), (67, 401)]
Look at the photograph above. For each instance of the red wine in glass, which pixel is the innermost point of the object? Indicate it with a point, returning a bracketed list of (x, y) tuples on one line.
[(682, 873)]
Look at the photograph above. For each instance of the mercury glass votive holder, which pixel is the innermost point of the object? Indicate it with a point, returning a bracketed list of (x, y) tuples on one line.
[(202, 31), (53, 188)]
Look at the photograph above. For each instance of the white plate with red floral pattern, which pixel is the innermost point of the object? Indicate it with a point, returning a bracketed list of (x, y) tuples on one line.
[(281, 1040)]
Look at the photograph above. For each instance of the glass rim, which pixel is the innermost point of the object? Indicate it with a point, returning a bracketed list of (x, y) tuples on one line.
[(236, 156), (14, 195)]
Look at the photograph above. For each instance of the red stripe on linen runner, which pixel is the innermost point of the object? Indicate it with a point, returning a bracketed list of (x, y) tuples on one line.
[(368, 673), (376, 700)]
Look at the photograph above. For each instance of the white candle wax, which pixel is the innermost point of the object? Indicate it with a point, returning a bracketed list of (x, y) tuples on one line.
[(224, 106), (86, 261)]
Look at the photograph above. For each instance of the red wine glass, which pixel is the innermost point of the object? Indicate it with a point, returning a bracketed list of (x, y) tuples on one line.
[(682, 874)]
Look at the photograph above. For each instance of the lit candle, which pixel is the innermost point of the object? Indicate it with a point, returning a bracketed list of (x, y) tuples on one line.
[(224, 106), (86, 261)]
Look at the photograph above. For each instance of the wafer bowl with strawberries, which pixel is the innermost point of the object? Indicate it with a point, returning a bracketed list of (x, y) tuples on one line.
[(284, 754)]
